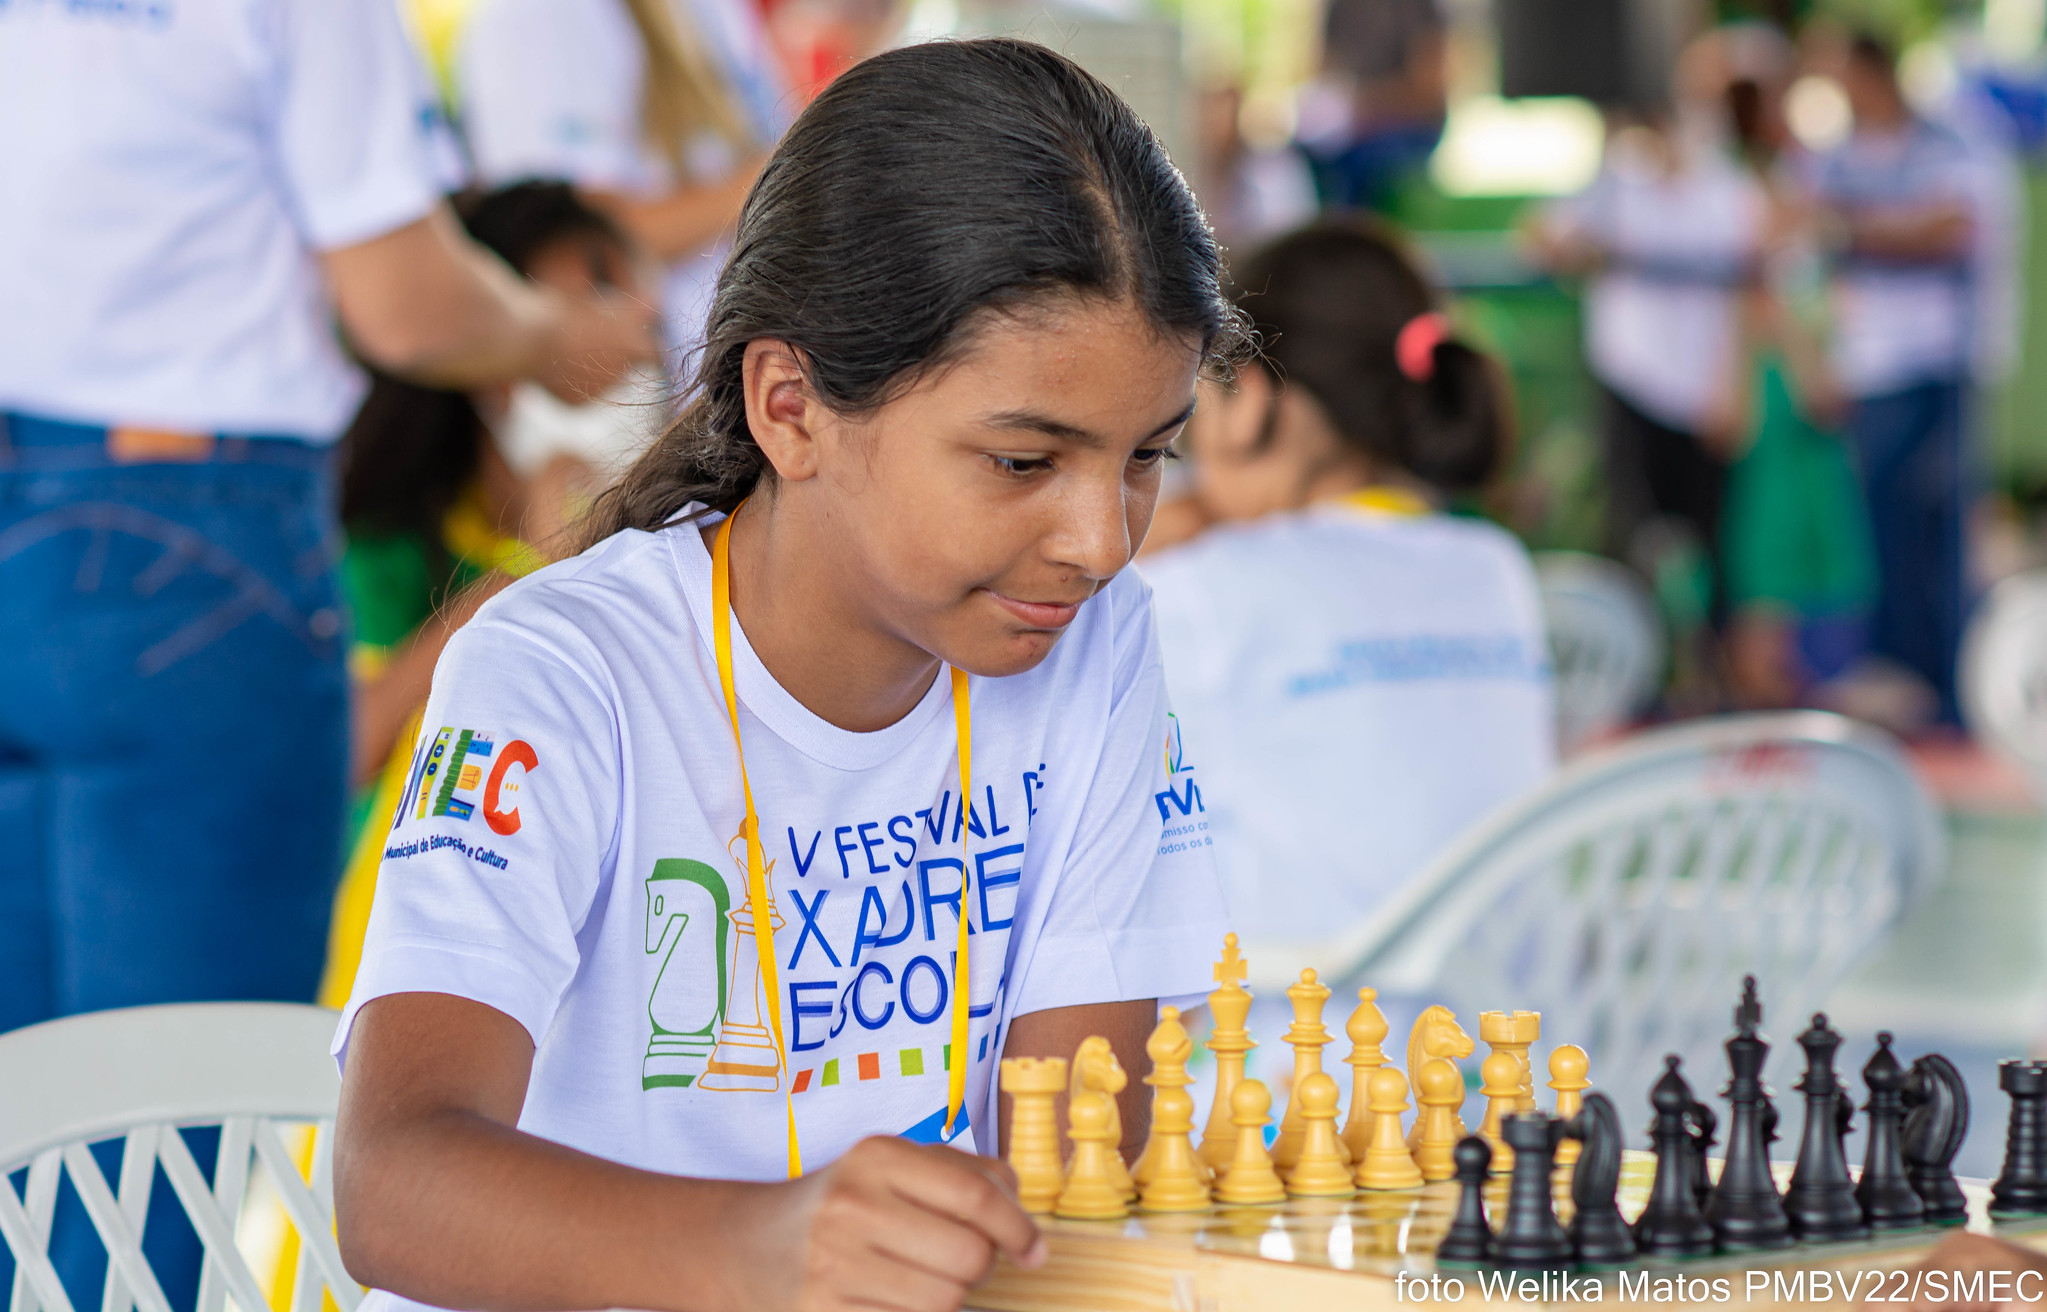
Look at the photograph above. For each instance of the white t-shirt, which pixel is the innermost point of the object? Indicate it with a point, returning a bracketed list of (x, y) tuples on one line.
[(168, 169), (1661, 319), (551, 88), (1362, 688), (576, 867)]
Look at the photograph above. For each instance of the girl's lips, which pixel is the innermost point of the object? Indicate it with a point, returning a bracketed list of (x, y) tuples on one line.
[(1039, 614)]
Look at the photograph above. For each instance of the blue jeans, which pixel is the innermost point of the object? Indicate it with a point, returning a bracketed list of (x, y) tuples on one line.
[(173, 736), (1915, 477)]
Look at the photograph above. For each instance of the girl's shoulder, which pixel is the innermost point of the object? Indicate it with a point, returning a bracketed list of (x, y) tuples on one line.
[(606, 604)]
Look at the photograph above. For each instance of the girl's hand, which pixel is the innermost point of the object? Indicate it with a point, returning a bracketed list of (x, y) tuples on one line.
[(891, 1224)]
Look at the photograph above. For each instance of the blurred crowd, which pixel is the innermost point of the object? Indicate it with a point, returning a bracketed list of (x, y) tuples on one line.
[(1795, 288)]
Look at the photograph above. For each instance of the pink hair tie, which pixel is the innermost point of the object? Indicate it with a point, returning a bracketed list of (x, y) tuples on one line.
[(1414, 349)]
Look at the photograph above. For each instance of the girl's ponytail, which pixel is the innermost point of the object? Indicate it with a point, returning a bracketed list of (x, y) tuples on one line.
[(1456, 432), (1343, 314)]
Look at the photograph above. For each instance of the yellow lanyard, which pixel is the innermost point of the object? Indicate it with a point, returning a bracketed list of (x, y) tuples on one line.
[(756, 874), (1388, 500)]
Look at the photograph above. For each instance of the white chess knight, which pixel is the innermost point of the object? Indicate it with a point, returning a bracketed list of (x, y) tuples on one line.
[(687, 914)]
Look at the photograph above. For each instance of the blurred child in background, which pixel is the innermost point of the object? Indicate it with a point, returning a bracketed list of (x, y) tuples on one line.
[(660, 110), (1364, 676), (446, 496), (1801, 573), (1668, 235)]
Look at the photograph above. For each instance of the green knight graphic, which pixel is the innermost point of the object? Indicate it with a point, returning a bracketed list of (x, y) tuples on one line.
[(688, 912)]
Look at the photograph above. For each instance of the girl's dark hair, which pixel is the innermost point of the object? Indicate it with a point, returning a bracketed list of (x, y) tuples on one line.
[(1328, 303), (411, 450), (924, 189)]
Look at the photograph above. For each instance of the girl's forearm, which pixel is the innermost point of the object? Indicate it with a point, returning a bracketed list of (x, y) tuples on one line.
[(456, 1210)]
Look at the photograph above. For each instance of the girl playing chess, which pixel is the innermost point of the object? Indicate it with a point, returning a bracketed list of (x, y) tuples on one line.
[(1367, 673), (839, 765)]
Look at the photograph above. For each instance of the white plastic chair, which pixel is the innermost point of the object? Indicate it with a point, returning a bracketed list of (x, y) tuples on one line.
[(2004, 674), (1626, 898), (141, 1073), (1606, 643)]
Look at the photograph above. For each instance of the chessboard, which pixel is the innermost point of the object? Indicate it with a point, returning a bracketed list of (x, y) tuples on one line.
[(1529, 1205), (1344, 1255)]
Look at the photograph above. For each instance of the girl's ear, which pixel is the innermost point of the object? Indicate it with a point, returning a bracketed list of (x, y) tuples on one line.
[(780, 410)]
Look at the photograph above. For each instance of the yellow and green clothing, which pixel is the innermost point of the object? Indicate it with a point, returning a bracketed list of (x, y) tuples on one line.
[(1797, 534), (394, 583)]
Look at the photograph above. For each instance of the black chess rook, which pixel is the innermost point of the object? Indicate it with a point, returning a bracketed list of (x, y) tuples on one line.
[(1532, 1239), (2021, 1187), (1671, 1226), (1744, 1208)]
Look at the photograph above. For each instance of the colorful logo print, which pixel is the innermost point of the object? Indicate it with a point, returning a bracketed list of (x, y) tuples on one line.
[(450, 779)]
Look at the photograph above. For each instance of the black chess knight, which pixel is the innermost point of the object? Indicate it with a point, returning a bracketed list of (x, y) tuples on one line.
[(1600, 1238), (1936, 1123), (1744, 1209), (1820, 1204)]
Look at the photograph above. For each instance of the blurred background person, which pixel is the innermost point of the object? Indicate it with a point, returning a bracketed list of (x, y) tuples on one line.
[(173, 746), (1252, 189), (661, 111), (1899, 204), (191, 197), (1667, 236), (446, 496), (1359, 675), (1800, 570), (1376, 113)]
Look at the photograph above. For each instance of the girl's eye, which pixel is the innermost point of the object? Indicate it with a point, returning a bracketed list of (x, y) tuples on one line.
[(1021, 466), (1147, 456)]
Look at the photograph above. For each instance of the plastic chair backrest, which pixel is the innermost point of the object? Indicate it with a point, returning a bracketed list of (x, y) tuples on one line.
[(2004, 673), (142, 1073), (1625, 899), (1606, 643)]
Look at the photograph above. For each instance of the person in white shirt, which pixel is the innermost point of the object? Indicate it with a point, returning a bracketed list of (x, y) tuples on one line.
[(1910, 210), (741, 847), (1361, 676), (661, 110), (191, 195), (1670, 233)]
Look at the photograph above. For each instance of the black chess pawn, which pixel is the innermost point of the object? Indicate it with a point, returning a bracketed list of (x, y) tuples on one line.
[(1671, 1225), (1532, 1239), (2021, 1188), (1469, 1242), (1936, 1123), (1889, 1202), (1820, 1204), (1745, 1210), (1600, 1239)]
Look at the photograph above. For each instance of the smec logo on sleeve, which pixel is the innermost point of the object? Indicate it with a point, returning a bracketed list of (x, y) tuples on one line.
[(456, 773)]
